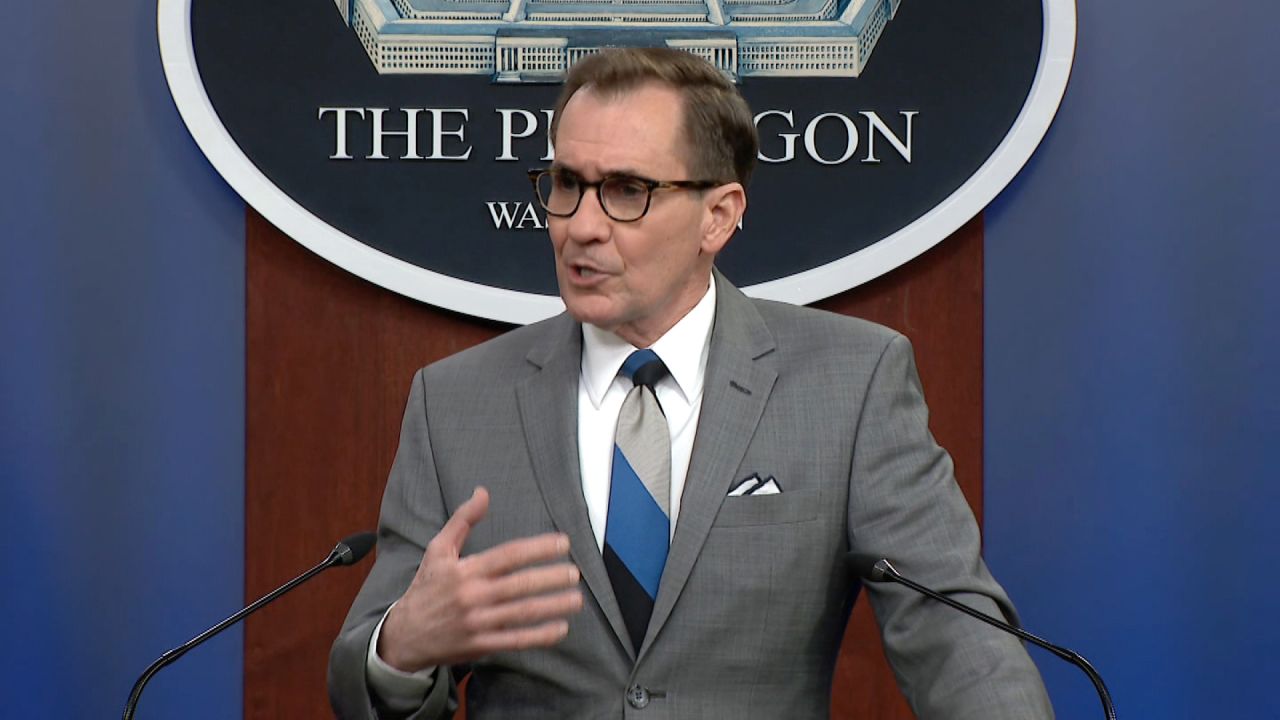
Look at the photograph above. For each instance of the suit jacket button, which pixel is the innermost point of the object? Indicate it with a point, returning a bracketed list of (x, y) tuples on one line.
[(637, 697)]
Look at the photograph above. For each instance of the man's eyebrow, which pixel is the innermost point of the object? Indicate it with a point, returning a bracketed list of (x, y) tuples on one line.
[(629, 172), (624, 171)]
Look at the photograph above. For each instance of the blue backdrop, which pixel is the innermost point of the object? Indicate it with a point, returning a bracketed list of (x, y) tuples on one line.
[(1130, 345), (121, 376), (1132, 398)]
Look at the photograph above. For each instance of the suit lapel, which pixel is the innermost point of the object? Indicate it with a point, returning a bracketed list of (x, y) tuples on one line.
[(548, 400), (739, 379)]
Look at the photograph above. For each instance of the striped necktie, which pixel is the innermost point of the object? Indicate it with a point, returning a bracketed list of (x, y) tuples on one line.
[(637, 531)]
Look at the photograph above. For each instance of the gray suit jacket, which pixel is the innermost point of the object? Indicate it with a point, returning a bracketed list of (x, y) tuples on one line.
[(754, 598)]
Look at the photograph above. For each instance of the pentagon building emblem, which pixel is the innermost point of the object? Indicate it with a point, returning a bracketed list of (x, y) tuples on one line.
[(538, 40), (393, 137)]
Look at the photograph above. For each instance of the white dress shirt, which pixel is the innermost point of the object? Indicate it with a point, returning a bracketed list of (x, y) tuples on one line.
[(601, 390)]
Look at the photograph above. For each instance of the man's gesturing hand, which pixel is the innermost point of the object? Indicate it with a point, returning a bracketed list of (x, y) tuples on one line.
[(460, 608)]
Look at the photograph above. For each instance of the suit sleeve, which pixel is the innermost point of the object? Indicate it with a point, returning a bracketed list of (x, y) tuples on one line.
[(413, 511), (904, 505)]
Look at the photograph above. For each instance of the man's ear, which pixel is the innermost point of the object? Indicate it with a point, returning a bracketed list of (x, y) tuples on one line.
[(725, 206)]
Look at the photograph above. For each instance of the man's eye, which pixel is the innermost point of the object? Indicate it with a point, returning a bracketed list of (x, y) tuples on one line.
[(627, 189), (565, 183)]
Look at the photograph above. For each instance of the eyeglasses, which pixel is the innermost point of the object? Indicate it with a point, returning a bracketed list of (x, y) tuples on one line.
[(624, 198)]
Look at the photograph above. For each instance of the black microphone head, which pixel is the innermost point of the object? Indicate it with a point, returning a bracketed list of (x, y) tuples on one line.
[(353, 548), (869, 567)]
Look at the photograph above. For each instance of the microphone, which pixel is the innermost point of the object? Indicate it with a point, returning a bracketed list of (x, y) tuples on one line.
[(881, 570), (349, 551)]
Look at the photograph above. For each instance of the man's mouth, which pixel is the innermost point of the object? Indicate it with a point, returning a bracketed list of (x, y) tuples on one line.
[(586, 272)]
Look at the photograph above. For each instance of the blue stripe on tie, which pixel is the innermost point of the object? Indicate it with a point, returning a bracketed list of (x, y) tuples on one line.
[(636, 527), (637, 360)]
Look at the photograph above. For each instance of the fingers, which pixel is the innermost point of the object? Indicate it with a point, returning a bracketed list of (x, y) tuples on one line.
[(524, 609), (454, 533), (526, 613), (516, 554), (533, 581), (544, 635), (512, 596)]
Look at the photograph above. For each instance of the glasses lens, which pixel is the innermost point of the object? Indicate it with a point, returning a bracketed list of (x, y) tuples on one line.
[(558, 192), (625, 198)]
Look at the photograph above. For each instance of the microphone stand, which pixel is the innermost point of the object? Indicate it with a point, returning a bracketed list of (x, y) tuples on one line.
[(886, 571), (341, 555)]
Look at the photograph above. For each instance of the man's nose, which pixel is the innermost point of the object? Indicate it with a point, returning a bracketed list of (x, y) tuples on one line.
[(589, 223)]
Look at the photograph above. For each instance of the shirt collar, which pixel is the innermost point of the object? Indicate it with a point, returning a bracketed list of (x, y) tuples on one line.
[(683, 349)]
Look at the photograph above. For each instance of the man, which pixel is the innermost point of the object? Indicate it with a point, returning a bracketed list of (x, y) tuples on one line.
[(785, 438)]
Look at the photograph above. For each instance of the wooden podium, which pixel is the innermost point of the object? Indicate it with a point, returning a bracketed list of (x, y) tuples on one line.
[(330, 358)]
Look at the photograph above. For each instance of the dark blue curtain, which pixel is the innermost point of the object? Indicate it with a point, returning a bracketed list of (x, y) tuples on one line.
[(1132, 391), (121, 376)]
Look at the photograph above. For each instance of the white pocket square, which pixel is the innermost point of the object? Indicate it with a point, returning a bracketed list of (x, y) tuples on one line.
[(768, 487), (753, 485)]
